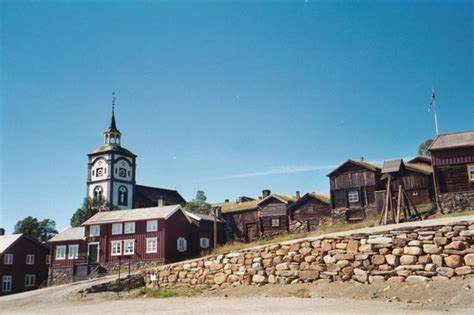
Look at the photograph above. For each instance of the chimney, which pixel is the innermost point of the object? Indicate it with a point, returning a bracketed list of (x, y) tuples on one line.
[(161, 202), (266, 193), (362, 158), (298, 195), (226, 201), (2, 231)]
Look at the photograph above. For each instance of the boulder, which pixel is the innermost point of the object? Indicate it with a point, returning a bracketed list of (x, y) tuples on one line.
[(378, 259), (445, 272), (431, 249), (465, 270), (219, 278), (328, 259), (352, 246), (392, 260), (440, 241), (379, 240), (415, 251), (453, 261), (258, 279), (458, 245), (307, 275), (469, 259), (360, 275), (408, 260), (282, 266), (416, 279)]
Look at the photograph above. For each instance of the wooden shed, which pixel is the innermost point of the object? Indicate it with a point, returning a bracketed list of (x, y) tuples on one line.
[(452, 157), (242, 220), (352, 189), (274, 216), (309, 212)]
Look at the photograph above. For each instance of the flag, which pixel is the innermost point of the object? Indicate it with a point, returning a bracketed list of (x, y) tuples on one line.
[(432, 101)]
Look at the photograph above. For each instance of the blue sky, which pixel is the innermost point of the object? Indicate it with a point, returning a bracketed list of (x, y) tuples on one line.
[(227, 97)]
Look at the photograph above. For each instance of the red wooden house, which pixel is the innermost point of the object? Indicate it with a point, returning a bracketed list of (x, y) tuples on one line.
[(203, 231), (139, 237), (23, 263)]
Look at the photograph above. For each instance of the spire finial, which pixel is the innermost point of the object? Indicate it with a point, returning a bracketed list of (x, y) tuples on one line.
[(113, 103)]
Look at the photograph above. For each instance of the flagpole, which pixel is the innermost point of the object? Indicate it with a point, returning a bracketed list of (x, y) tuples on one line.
[(436, 118)]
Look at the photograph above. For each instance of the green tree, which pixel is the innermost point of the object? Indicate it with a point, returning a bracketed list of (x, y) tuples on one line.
[(90, 207), (40, 230), (423, 147), (198, 204)]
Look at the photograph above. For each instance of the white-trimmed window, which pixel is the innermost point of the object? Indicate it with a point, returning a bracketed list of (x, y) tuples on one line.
[(116, 228), (128, 247), (204, 242), (8, 259), (6, 283), (353, 196), (30, 259), (152, 225), (151, 245), (276, 222), (48, 259), (94, 230), (116, 248), (182, 244), (73, 251), (470, 172), (60, 252), (30, 280), (129, 227)]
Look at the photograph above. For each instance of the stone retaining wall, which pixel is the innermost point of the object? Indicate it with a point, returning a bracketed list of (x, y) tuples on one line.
[(408, 254), (456, 202)]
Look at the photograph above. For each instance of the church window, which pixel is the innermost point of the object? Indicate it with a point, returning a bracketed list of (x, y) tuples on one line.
[(123, 195), (128, 173), (98, 191), (100, 171)]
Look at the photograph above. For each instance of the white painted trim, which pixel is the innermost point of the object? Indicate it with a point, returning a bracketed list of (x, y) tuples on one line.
[(146, 245)]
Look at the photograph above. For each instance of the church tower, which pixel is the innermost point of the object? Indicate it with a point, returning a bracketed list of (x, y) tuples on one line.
[(111, 171)]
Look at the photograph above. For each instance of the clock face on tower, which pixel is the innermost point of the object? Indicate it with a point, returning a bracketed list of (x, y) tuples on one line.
[(122, 172), (100, 171)]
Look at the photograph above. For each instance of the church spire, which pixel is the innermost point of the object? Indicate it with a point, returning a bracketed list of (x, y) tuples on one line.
[(112, 134)]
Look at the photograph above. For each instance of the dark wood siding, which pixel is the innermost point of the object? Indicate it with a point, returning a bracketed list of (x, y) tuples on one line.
[(22, 247), (453, 178), (273, 209), (237, 223), (177, 226), (311, 211), (82, 253), (354, 177), (452, 156)]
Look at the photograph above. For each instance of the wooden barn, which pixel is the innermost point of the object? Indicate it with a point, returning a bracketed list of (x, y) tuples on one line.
[(352, 189), (273, 214), (24, 263), (309, 212), (242, 220), (452, 157)]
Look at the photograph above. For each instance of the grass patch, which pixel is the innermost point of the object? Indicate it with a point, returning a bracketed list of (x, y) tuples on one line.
[(453, 214), (162, 293), (301, 293)]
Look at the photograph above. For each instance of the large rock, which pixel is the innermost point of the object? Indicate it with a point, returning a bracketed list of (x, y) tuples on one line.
[(437, 260), (352, 246), (379, 240), (219, 278), (378, 259), (431, 249), (392, 260), (328, 259), (453, 261), (408, 260), (259, 279), (282, 266), (465, 270), (360, 275), (307, 275), (365, 248), (415, 251), (416, 279), (469, 259), (445, 271), (441, 240), (458, 245)]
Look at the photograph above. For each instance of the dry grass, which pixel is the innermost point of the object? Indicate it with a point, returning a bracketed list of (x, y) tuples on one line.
[(162, 293), (301, 293)]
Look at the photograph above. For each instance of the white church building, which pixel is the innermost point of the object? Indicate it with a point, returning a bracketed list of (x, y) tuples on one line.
[(111, 174)]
